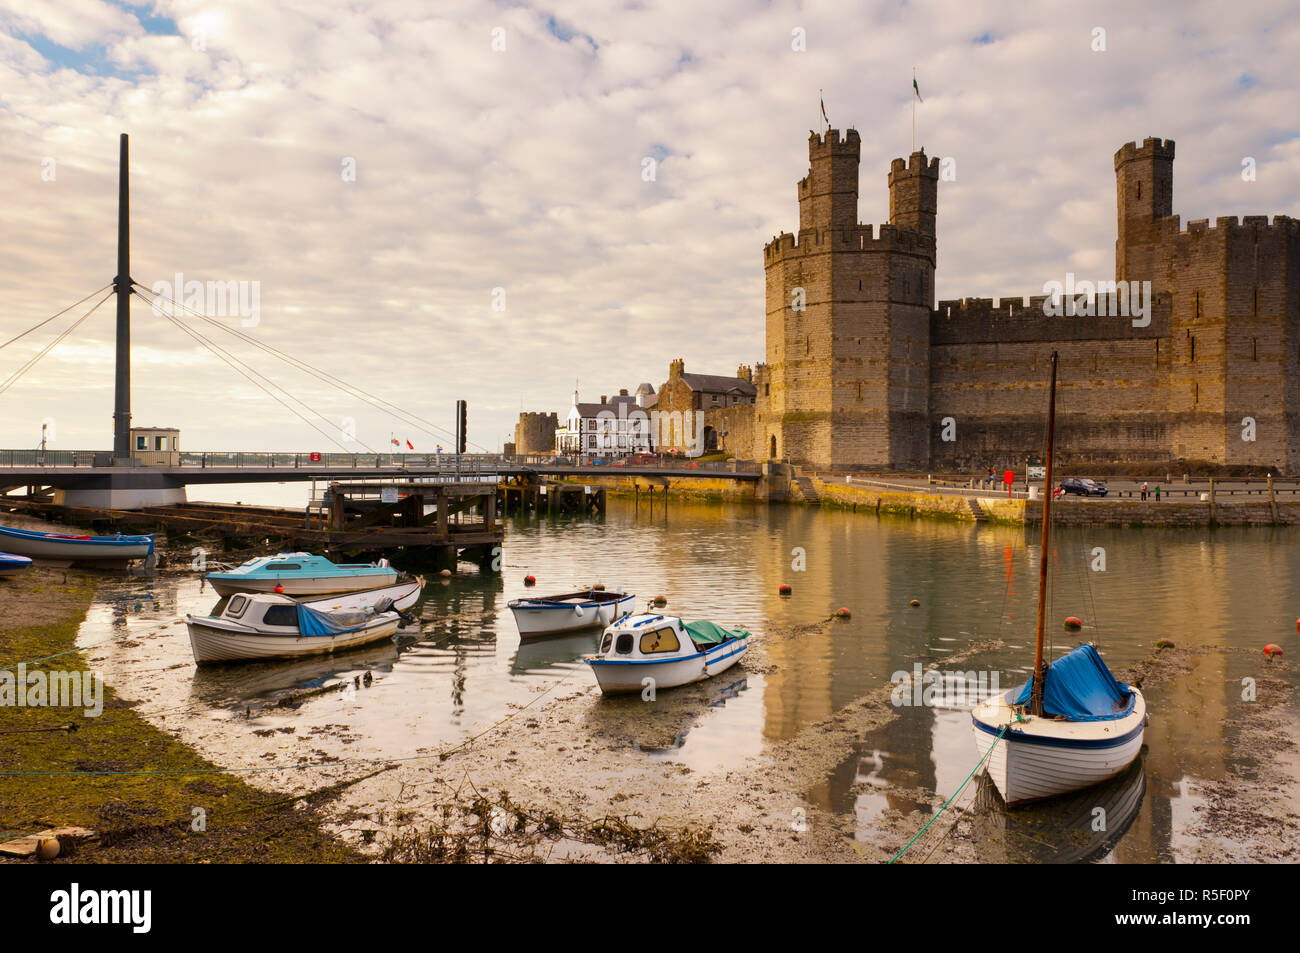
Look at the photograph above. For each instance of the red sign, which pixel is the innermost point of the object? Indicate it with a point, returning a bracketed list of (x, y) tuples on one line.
[(1009, 476), (315, 458)]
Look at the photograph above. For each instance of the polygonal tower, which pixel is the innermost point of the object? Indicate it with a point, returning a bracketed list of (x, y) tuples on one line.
[(846, 382)]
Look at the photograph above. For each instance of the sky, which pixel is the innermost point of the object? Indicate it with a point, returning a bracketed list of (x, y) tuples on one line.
[(493, 201)]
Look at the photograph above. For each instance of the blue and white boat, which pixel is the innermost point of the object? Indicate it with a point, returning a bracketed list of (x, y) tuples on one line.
[(74, 548), (10, 563), (544, 616), (1090, 730), (301, 574), (665, 650), (1072, 725)]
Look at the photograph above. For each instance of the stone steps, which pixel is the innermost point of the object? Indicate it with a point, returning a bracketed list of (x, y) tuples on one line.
[(807, 490)]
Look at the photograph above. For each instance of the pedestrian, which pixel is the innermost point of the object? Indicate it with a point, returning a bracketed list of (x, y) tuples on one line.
[(1144, 489), (1157, 492), (988, 477)]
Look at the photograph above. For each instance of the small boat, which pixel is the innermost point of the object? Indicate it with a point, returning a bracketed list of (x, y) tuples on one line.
[(568, 612), (9, 563), (72, 548), (258, 626), (665, 650), (301, 574), (1072, 725)]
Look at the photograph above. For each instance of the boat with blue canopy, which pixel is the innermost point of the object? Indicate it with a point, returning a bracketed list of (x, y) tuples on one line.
[(259, 626), (1073, 724), (301, 574)]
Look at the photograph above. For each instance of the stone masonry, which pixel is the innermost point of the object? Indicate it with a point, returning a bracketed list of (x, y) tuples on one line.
[(863, 371)]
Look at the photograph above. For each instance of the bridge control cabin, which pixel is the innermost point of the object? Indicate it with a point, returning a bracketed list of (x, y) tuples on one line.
[(156, 446)]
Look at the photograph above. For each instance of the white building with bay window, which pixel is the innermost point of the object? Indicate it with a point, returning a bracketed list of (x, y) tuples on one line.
[(614, 427)]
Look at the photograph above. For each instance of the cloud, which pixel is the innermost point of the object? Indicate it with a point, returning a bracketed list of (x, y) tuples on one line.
[(523, 169)]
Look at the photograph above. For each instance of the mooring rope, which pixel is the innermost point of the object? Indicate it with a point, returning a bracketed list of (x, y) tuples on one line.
[(954, 797)]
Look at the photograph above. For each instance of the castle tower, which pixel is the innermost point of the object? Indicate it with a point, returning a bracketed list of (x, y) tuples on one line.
[(1144, 192), (914, 193), (828, 194), (846, 382)]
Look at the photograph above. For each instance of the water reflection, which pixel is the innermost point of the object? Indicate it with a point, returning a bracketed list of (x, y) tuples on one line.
[(465, 667)]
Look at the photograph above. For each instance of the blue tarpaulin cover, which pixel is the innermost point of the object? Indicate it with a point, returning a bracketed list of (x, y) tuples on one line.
[(1079, 687), (312, 622)]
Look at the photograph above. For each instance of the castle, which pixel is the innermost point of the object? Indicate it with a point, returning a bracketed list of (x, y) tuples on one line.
[(864, 371)]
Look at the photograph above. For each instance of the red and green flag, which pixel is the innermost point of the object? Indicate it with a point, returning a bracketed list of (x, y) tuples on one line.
[(917, 89)]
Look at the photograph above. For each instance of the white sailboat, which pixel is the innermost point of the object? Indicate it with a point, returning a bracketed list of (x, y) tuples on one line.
[(1073, 724)]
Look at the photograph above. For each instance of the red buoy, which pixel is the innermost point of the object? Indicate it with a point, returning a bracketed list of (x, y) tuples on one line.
[(784, 589), (1271, 649), (1073, 623), (530, 581), (842, 613), (914, 603)]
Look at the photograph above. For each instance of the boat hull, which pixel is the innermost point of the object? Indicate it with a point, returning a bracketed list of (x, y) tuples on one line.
[(74, 549), (12, 563), (229, 584), (618, 677), (541, 622), (214, 642), (1044, 758)]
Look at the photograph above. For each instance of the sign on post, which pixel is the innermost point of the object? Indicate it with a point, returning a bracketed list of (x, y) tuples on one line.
[(388, 494)]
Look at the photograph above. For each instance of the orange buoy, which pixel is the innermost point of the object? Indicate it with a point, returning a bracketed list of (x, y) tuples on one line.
[(1073, 623), (914, 603), (842, 613), (598, 587), (530, 581), (1271, 649), (279, 588), (784, 589)]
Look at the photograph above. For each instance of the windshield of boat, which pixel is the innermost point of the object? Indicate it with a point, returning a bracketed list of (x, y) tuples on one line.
[(624, 644), (237, 606), (281, 615), (660, 640)]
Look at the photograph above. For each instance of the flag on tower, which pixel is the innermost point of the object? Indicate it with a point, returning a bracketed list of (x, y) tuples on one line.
[(824, 116), (917, 89)]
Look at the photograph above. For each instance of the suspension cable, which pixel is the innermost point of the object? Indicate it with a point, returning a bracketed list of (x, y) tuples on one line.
[(415, 420), (252, 375), (53, 316), (18, 374)]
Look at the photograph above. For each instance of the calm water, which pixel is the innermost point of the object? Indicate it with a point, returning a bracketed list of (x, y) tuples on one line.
[(467, 669)]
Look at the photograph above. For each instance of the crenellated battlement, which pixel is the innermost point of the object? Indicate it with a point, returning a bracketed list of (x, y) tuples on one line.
[(830, 143), (859, 238), (1151, 148), (916, 164)]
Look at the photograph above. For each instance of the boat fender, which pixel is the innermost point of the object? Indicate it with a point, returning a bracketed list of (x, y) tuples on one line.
[(577, 611)]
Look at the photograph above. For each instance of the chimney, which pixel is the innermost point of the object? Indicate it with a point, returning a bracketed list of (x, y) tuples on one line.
[(622, 392), (604, 399)]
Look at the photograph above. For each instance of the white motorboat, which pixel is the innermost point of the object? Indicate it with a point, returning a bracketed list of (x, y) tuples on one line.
[(301, 574), (259, 626), (659, 651), (1072, 725), (401, 595), (569, 612)]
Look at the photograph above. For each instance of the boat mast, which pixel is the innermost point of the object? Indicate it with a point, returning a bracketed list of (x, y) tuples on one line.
[(1040, 667)]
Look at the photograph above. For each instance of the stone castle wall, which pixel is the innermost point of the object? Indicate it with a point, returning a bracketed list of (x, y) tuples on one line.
[(535, 433), (869, 372)]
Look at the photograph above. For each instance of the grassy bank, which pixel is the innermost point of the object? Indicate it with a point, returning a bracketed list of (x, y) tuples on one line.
[(140, 817)]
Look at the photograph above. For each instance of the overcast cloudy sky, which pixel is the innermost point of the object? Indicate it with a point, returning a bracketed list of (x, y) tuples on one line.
[(521, 168)]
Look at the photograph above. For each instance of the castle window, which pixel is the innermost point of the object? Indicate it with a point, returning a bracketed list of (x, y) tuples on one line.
[(1198, 305), (1196, 392), (767, 390), (1193, 351), (1254, 349), (1139, 188)]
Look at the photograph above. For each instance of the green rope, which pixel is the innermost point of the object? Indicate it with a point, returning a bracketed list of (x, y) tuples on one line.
[(959, 790)]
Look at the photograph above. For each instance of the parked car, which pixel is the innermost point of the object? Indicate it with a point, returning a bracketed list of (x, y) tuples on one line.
[(1081, 487)]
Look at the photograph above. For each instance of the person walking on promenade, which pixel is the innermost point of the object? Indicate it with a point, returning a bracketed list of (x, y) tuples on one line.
[(1157, 492), (1144, 489)]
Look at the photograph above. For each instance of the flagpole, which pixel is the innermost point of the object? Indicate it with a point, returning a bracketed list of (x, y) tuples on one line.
[(913, 108)]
